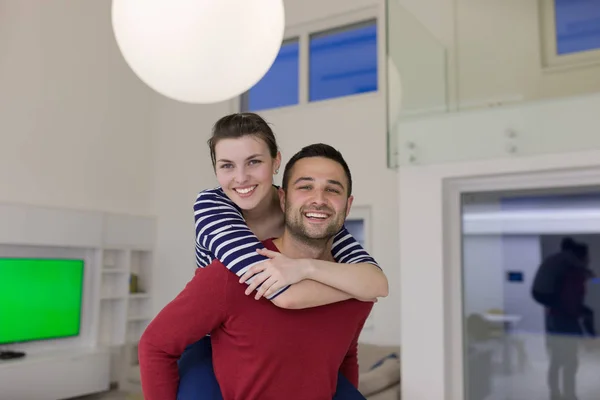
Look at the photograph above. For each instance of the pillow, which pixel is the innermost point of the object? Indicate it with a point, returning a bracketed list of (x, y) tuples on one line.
[(380, 362), (384, 374)]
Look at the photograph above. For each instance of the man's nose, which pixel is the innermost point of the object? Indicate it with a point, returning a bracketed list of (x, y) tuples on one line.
[(319, 197)]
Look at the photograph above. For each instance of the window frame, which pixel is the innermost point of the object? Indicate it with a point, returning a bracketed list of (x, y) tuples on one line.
[(303, 31), (342, 28), (244, 98), (551, 60)]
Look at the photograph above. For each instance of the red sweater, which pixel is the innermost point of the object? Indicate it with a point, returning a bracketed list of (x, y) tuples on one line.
[(260, 351)]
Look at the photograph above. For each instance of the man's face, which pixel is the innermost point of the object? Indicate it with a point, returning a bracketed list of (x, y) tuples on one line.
[(316, 203)]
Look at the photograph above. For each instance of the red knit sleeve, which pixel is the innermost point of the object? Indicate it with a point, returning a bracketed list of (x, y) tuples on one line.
[(349, 367), (195, 312)]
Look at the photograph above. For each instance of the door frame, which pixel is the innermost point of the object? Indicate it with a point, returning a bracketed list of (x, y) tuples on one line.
[(453, 189)]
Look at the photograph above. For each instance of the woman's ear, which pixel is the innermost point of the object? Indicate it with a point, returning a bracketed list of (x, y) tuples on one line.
[(276, 163)]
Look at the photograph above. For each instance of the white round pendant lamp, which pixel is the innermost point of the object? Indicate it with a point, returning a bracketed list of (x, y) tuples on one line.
[(199, 51)]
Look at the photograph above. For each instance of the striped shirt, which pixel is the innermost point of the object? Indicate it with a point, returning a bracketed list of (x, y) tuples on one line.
[(222, 233)]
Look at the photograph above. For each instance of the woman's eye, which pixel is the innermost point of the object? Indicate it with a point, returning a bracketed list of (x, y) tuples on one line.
[(254, 162), (225, 166)]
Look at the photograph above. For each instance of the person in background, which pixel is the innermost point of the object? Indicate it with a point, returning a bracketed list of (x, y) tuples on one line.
[(560, 287)]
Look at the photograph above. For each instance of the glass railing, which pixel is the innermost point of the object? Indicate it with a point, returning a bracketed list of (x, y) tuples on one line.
[(416, 72)]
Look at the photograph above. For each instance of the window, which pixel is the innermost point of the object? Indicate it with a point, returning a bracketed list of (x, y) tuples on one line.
[(279, 87), (356, 227), (343, 61), (358, 223), (570, 32), (577, 25)]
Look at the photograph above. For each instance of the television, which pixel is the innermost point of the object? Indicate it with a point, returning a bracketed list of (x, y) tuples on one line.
[(40, 298)]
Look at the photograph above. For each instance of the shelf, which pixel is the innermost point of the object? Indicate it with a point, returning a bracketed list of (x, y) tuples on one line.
[(113, 297), (114, 285), (112, 323), (138, 318), (113, 271), (135, 330), (134, 374), (139, 296)]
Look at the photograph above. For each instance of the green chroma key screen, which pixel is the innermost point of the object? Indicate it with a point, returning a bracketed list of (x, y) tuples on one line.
[(39, 298)]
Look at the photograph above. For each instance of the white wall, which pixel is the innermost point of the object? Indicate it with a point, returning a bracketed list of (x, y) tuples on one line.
[(483, 273), (182, 169), (75, 123), (486, 261), (522, 253), (424, 247), (494, 52), (499, 55)]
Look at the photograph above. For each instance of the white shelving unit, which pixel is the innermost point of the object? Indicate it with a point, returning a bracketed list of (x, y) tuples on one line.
[(125, 310), (137, 313), (115, 247)]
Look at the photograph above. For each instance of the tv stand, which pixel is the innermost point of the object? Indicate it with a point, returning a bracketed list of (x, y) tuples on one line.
[(10, 354), (55, 374)]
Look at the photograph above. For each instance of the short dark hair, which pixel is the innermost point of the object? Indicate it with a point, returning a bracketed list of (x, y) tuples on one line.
[(317, 150), (579, 250), (238, 125), (567, 243)]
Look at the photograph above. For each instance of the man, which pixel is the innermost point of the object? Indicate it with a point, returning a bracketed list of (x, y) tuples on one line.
[(560, 287), (548, 278), (261, 351), (559, 284)]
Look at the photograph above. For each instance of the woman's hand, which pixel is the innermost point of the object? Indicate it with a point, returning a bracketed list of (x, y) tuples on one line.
[(274, 274)]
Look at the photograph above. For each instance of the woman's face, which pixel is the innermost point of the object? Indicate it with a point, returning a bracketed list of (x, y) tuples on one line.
[(245, 169)]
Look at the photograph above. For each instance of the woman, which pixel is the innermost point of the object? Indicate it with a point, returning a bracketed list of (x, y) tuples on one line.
[(230, 222)]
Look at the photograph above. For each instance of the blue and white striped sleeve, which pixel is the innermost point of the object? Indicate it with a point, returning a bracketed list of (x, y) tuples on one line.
[(222, 233), (346, 249)]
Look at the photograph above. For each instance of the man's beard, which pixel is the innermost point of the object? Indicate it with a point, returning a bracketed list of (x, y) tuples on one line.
[(299, 228)]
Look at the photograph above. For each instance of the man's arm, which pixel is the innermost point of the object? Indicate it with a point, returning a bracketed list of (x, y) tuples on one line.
[(195, 312), (349, 367)]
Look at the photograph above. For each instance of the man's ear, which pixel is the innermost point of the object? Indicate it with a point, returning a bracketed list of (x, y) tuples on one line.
[(349, 205), (281, 194)]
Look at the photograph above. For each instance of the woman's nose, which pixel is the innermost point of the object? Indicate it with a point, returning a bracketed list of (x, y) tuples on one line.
[(241, 176)]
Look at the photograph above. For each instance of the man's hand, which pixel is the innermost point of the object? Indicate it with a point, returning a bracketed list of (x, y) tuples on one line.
[(274, 274)]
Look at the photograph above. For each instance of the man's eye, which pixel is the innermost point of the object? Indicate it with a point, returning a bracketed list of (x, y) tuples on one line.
[(308, 187), (333, 191)]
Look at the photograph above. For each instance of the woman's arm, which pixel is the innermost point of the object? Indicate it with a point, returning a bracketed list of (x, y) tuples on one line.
[(362, 281), (222, 233), (355, 273), (308, 294)]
